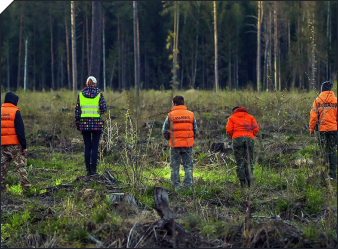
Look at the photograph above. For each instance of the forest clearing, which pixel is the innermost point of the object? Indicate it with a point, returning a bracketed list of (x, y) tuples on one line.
[(290, 204), (274, 60)]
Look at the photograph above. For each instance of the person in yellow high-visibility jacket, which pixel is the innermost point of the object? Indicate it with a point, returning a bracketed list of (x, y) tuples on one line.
[(90, 105)]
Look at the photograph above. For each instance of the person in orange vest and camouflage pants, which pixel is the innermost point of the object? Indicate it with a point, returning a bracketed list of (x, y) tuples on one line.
[(13, 141), (242, 128), (323, 117), (180, 128)]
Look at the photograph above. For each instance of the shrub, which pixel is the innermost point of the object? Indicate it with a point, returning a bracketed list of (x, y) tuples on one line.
[(311, 231), (314, 198)]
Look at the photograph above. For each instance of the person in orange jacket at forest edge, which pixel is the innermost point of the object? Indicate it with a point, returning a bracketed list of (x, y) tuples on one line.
[(242, 128), (323, 115)]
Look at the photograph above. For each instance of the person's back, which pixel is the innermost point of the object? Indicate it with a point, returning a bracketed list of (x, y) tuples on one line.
[(90, 105), (13, 141), (324, 112), (242, 124), (180, 128), (181, 121), (323, 116), (242, 128)]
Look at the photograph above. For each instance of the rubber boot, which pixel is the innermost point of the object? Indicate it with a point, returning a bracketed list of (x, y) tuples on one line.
[(333, 166), (88, 170), (93, 170), (242, 181)]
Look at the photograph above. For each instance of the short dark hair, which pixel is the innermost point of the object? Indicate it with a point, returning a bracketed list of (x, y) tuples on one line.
[(178, 100)]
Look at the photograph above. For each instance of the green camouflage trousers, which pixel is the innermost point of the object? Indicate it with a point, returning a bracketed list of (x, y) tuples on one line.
[(239, 146), (176, 154), (13, 153), (328, 141)]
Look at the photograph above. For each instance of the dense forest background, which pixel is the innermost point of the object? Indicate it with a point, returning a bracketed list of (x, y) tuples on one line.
[(297, 46)]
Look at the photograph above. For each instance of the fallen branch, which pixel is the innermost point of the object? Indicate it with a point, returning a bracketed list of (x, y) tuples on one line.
[(152, 179), (98, 243), (53, 170), (56, 187)]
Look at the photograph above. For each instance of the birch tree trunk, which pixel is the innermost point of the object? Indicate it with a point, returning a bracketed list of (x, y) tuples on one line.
[(87, 41), (269, 53), (135, 45), (25, 74), (72, 4), (216, 49), (19, 63), (289, 38), (237, 70), (275, 43), (138, 54), (313, 53), (83, 53), (119, 54), (104, 55), (229, 66), (175, 45), (8, 69), (51, 49), (258, 62), (328, 39), (95, 56), (68, 55)]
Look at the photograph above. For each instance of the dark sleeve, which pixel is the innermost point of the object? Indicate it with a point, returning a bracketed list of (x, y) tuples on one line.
[(77, 113), (20, 130), (102, 103), (195, 128), (165, 129)]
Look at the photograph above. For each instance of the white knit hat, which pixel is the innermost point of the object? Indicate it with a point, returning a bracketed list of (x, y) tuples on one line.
[(92, 78)]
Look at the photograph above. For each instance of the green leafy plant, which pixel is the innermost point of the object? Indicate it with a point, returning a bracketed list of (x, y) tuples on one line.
[(315, 200), (16, 189)]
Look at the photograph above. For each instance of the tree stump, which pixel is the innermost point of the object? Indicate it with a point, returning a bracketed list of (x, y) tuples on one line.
[(162, 203)]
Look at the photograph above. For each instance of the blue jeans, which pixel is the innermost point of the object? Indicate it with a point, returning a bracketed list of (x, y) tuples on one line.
[(91, 140)]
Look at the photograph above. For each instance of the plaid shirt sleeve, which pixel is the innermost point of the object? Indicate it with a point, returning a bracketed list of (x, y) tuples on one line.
[(77, 112)]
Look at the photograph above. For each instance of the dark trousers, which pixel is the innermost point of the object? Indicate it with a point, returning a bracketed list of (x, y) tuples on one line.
[(243, 148), (91, 140), (328, 142)]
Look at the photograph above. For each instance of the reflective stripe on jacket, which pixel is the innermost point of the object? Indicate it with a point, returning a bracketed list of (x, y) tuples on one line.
[(8, 134), (324, 111), (89, 106), (181, 125), (242, 124)]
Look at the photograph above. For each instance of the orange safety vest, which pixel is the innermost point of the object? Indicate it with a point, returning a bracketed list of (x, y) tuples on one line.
[(8, 134), (181, 125)]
